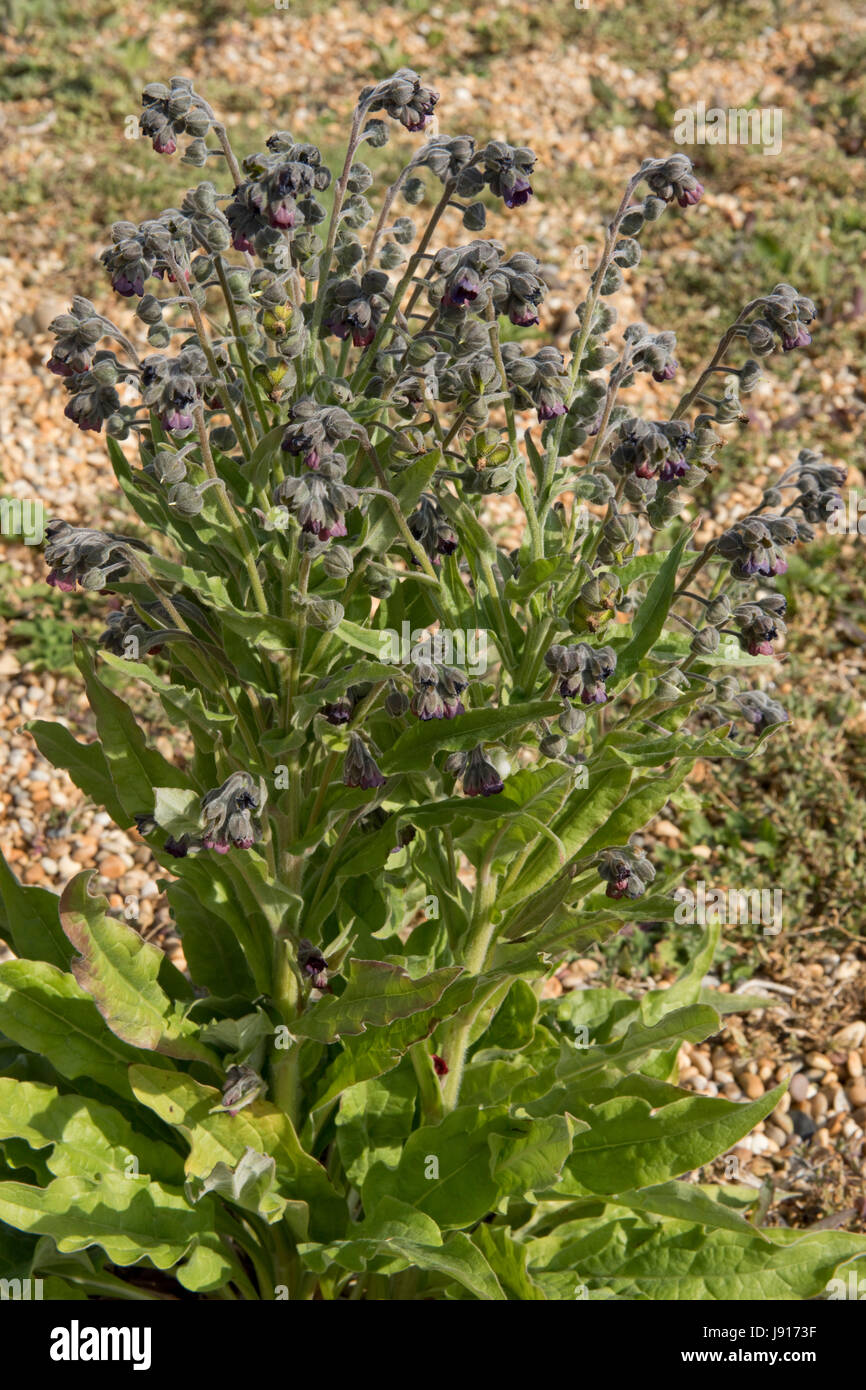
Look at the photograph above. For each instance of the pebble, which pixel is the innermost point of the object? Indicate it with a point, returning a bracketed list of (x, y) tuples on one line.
[(778, 1136), (840, 1101), (818, 1061), (852, 1035), (753, 1086), (113, 866), (799, 1088), (857, 1091), (854, 1063)]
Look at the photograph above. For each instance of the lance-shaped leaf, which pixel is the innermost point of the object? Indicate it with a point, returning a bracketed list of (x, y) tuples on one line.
[(85, 762), (376, 994), (132, 1219), (250, 1184), (382, 528), (650, 617), (414, 749), (676, 1261), (690, 1024), (685, 1201), (135, 768), (30, 921), (119, 971), (627, 1146), (87, 1136)]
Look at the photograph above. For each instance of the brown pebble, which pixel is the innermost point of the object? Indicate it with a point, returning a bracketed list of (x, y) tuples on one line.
[(857, 1091), (819, 1061), (752, 1085), (112, 866), (854, 1063), (799, 1087)]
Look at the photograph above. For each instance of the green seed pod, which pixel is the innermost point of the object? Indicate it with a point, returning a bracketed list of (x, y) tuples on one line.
[(705, 642), (325, 613), (553, 747), (572, 720), (149, 309), (396, 703), (337, 562)]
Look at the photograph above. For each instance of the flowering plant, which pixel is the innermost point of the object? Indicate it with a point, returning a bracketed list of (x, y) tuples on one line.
[(412, 767)]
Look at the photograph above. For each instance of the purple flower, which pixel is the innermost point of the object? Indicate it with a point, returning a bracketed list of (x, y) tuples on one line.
[(547, 410), (480, 777), (516, 192), (668, 371), (796, 340), (359, 769), (177, 421), (122, 285), (164, 143), (672, 468), (60, 581), (687, 197)]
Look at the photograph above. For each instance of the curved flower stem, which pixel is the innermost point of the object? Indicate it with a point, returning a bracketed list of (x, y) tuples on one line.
[(229, 512), (334, 223), (243, 352), (718, 357), (524, 490)]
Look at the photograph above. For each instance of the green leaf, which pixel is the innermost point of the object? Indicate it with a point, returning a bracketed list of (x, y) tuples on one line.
[(687, 1202), (250, 1185), (629, 1147), (414, 749), (119, 970), (135, 769), (376, 994), (30, 917), (47, 1012), (87, 1136), (85, 763), (132, 1219), (407, 488), (374, 1121), (676, 1260), (650, 617), (222, 1138)]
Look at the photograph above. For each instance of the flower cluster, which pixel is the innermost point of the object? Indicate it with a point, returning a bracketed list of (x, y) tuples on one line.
[(79, 555), (226, 814), (582, 671)]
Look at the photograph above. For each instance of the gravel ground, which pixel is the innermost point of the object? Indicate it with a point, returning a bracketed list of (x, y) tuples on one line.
[(812, 1144)]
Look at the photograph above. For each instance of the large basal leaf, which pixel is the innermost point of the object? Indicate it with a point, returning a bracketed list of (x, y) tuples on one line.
[(677, 1261), (132, 1219), (685, 1201), (374, 1121), (119, 971), (690, 1024), (250, 1185), (87, 1137), (458, 1171), (49, 1013), (396, 1237), (223, 1138), (376, 994), (627, 1146), (30, 920)]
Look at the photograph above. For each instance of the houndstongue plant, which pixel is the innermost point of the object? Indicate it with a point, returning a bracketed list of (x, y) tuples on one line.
[(410, 767)]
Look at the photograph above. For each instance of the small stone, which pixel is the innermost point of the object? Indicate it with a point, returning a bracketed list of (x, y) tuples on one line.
[(840, 1101), (857, 1091), (778, 1136), (852, 1035), (752, 1085), (848, 970), (818, 1061), (703, 1064), (799, 1087), (819, 1106), (113, 866), (854, 1063)]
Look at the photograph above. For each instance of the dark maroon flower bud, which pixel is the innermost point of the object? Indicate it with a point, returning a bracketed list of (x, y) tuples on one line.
[(313, 964), (339, 712), (440, 1066), (359, 768), (178, 849), (480, 777), (668, 371), (548, 410)]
